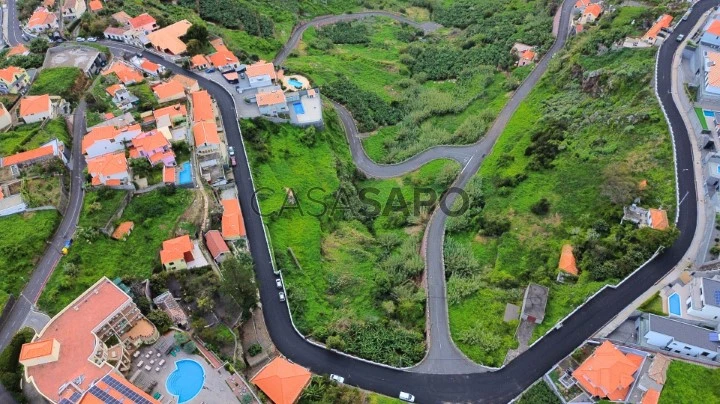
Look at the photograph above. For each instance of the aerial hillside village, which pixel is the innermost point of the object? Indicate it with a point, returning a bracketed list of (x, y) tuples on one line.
[(155, 282)]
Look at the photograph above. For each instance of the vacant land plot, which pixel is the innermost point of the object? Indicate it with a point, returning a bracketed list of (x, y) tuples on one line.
[(573, 154), (688, 383), (22, 243), (351, 267), (99, 206), (26, 137), (67, 82), (94, 255)]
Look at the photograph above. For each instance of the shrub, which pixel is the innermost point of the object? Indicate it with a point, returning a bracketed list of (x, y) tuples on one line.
[(541, 207), (254, 349)]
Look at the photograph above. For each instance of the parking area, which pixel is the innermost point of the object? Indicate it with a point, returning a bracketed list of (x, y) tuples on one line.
[(244, 109)]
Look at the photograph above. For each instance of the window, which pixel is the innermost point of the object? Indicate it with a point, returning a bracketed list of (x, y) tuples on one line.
[(704, 353), (686, 347), (677, 351)]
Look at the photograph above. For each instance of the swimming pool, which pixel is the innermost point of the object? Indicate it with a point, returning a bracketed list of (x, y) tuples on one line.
[(709, 114), (186, 380), (295, 82), (674, 304), (298, 107), (185, 175)]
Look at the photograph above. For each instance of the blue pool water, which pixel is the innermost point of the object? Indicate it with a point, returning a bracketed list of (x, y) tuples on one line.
[(295, 82), (674, 304), (186, 380), (185, 175), (298, 108), (709, 113)]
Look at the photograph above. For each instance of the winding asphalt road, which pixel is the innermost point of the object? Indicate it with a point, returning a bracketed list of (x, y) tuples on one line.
[(497, 386), (46, 265)]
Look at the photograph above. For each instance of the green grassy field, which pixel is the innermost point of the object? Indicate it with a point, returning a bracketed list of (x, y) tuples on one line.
[(688, 383), (99, 206), (94, 255), (574, 142), (22, 243), (354, 284), (66, 82), (26, 137)]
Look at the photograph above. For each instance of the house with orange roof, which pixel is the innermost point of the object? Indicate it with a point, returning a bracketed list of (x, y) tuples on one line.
[(223, 59), (271, 101), (711, 33), (18, 50), (199, 62), (115, 33), (169, 175), (525, 53), (109, 169), (143, 22), (124, 72), (657, 219), (217, 246), (69, 359), (73, 9), (662, 23), (261, 74), (150, 68), (49, 4), (167, 40), (190, 85), (155, 147), (567, 260), (169, 91), (122, 18), (36, 108), (170, 116), (176, 253), (121, 97), (282, 381), (108, 139), (202, 106), (233, 225), (95, 5), (123, 230), (652, 396), (591, 13), (580, 5), (207, 139), (51, 149), (653, 218), (711, 69), (13, 80), (608, 372), (5, 119), (42, 20)]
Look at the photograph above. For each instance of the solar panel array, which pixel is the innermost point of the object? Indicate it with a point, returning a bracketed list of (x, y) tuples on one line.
[(74, 398), (717, 297), (105, 397), (125, 390)]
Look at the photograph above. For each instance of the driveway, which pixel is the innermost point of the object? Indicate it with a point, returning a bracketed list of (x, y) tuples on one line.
[(244, 109)]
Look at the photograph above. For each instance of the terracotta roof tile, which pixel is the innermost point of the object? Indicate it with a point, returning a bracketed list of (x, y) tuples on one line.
[(168, 38), (223, 57), (99, 133), (205, 132), (215, 243), (122, 230), (202, 106), (175, 111), (37, 349), (233, 225), (95, 5), (175, 249), (663, 22), (199, 60), (282, 381), (18, 50), (168, 175), (714, 28), (261, 68), (270, 98), (169, 89), (567, 260), (35, 104), (608, 372), (29, 155), (659, 219), (594, 9), (11, 73), (41, 17), (124, 72), (142, 20), (107, 164)]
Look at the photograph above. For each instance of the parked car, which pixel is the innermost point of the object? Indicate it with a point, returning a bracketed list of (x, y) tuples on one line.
[(407, 397), (337, 378), (680, 38), (238, 89), (233, 162), (242, 75), (92, 39), (25, 37), (210, 70), (278, 283), (282, 296), (79, 39), (231, 151)]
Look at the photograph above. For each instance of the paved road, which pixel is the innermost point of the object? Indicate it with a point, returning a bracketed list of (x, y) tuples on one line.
[(47, 263), (299, 29), (14, 30)]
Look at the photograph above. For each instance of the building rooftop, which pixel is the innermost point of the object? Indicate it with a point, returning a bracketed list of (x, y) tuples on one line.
[(124, 72), (19, 49), (683, 332), (608, 372), (175, 249), (233, 225), (99, 133), (535, 301), (662, 22), (168, 38), (215, 243), (659, 219), (169, 89), (202, 106), (261, 68), (282, 381), (35, 104), (270, 98), (19, 158), (95, 5), (567, 260), (141, 20), (175, 111), (205, 132), (122, 230), (41, 17), (37, 349), (10, 73), (711, 291), (107, 164)]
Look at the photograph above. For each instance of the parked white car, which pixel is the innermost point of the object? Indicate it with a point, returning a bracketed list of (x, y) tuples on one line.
[(79, 39), (337, 378), (92, 39), (407, 397)]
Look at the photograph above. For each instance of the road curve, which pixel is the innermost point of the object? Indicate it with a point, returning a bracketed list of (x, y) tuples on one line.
[(499, 386), (51, 256), (299, 29)]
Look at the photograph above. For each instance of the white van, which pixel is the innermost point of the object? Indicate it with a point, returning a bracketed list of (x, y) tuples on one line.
[(407, 397)]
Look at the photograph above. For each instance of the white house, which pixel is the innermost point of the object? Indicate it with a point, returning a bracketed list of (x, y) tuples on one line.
[(73, 9), (5, 120), (271, 101), (108, 139), (121, 97), (36, 108), (704, 299), (109, 169), (42, 20), (677, 336), (261, 74)]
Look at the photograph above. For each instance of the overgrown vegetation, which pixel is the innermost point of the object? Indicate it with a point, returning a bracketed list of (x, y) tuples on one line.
[(388, 76), (67, 82), (94, 254), (31, 136), (352, 269), (10, 369), (591, 122), (688, 383), (539, 393), (22, 243)]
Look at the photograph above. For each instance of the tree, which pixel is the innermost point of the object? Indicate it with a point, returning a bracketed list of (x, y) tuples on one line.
[(10, 369), (143, 303), (194, 47), (189, 347), (39, 46), (162, 321), (618, 185), (181, 338), (198, 32), (239, 281), (541, 207)]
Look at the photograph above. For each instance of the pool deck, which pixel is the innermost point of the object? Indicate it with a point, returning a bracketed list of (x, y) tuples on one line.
[(215, 389)]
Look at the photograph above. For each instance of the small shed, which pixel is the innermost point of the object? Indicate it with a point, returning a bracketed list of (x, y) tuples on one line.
[(534, 302)]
